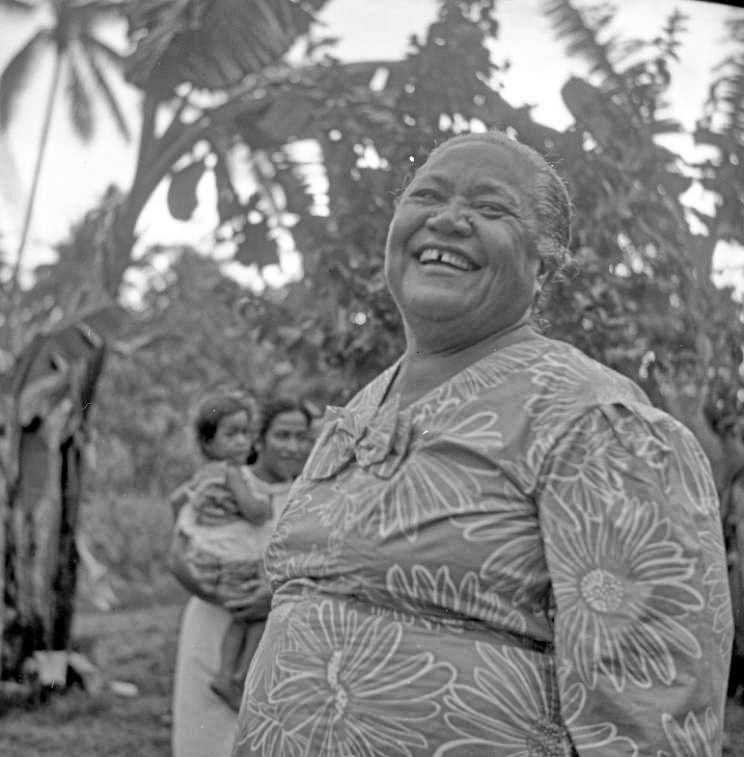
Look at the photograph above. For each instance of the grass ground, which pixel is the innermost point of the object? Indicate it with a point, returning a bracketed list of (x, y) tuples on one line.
[(139, 646), (133, 646)]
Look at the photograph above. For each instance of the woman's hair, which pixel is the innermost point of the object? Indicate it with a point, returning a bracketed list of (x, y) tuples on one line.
[(278, 406), (210, 411), (549, 197)]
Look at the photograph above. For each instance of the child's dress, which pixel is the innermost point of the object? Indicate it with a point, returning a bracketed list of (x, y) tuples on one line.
[(238, 545)]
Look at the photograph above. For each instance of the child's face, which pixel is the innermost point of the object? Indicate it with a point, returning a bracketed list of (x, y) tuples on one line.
[(232, 440)]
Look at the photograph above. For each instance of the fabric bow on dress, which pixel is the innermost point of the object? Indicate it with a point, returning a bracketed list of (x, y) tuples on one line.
[(378, 443)]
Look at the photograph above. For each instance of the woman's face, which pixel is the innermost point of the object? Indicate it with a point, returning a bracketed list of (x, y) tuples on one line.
[(285, 446), (232, 439), (456, 259)]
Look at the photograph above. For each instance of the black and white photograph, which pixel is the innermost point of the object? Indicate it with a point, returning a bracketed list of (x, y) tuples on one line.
[(371, 378)]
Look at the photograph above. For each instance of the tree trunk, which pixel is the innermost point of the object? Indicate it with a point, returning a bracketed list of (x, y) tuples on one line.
[(53, 387), (14, 337)]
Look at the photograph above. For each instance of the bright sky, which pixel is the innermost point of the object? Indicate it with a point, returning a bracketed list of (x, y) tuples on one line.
[(75, 175)]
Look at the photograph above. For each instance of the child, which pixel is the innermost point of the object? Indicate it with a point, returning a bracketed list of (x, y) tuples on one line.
[(222, 521)]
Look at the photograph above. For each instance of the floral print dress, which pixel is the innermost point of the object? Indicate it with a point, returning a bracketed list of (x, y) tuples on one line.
[(526, 561)]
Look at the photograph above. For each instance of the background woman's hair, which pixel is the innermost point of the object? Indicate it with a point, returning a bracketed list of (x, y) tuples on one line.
[(550, 201), (280, 405), (210, 411)]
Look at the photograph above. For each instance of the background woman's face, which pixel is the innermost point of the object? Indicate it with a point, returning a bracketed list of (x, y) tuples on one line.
[(457, 247), (285, 446)]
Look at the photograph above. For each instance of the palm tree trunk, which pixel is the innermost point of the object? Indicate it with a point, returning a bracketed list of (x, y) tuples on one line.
[(15, 284)]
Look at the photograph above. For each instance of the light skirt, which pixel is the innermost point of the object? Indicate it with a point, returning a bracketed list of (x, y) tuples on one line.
[(203, 725)]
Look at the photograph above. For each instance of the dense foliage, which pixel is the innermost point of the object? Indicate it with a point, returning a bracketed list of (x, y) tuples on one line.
[(639, 296)]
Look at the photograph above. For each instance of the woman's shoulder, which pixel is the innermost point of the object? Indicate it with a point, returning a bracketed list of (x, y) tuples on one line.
[(261, 487), (571, 376)]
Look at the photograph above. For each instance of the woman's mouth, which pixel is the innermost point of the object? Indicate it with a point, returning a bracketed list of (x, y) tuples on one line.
[(445, 257)]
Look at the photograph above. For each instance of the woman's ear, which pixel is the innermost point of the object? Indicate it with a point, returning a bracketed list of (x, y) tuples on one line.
[(538, 274)]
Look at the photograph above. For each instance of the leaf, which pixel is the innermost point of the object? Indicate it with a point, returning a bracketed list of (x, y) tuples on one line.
[(20, 5), (39, 395), (15, 73), (212, 45), (182, 200), (256, 247), (228, 202), (90, 46), (296, 192), (81, 110), (289, 116), (581, 36)]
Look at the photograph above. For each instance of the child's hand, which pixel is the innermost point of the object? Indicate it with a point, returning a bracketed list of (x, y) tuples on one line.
[(255, 510), (211, 474), (210, 513), (251, 601)]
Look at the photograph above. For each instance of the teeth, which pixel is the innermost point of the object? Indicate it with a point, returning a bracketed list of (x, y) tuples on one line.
[(453, 259), (456, 261), (428, 255)]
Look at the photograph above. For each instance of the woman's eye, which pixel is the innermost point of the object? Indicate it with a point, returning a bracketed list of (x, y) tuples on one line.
[(425, 194), (489, 208)]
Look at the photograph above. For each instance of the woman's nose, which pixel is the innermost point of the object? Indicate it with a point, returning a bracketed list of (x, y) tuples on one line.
[(450, 219), (293, 444)]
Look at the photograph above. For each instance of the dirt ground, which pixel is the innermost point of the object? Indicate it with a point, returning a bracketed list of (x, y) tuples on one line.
[(135, 647), (139, 647)]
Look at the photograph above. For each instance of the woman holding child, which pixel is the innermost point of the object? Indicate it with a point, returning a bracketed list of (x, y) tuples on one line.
[(499, 546), (224, 517)]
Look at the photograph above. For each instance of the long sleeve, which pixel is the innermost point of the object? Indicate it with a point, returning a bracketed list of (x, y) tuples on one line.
[(632, 534)]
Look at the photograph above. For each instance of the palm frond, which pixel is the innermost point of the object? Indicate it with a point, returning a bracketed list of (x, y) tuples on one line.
[(16, 72), (668, 42), (582, 36), (84, 14), (735, 26), (81, 109), (724, 107), (113, 57), (634, 72), (278, 34), (20, 5), (106, 92), (665, 126), (215, 48)]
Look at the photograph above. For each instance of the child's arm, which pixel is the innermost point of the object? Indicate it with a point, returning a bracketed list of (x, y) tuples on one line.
[(254, 510), (187, 491), (179, 498)]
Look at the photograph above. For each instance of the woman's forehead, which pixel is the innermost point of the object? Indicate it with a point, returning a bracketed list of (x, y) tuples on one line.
[(480, 161), (289, 419)]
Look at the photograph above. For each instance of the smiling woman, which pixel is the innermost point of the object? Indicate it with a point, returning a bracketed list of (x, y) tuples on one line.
[(455, 260), (499, 547)]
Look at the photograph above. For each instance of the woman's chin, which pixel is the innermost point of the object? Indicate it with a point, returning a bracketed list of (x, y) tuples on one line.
[(438, 305)]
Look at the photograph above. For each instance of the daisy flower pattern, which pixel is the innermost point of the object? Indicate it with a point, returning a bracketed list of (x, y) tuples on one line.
[(589, 736), (438, 594), (525, 562), (510, 710), (694, 736), (346, 688), (623, 587)]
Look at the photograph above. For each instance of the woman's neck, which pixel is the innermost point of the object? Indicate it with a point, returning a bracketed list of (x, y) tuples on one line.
[(423, 370), (266, 475)]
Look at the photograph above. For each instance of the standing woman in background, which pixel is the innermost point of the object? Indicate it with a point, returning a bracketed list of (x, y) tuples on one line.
[(203, 722)]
